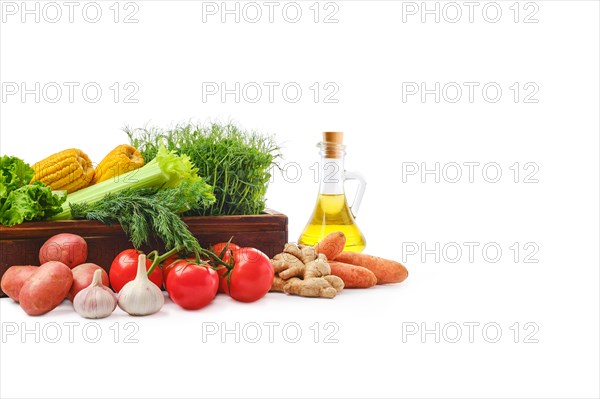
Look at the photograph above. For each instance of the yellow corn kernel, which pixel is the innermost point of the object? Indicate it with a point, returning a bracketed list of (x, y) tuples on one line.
[(69, 170), (124, 158)]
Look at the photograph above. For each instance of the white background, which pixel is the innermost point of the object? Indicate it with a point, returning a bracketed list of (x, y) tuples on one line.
[(371, 53)]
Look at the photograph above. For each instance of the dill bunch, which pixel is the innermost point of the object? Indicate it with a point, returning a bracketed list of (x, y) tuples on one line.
[(237, 163), (147, 212)]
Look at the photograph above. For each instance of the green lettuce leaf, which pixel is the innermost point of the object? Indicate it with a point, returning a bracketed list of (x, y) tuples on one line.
[(31, 202), (14, 173)]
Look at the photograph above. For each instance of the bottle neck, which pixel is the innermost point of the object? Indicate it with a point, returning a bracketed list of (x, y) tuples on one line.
[(331, 173)]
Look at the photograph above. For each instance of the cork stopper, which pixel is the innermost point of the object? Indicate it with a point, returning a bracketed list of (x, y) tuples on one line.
[(333, 144)]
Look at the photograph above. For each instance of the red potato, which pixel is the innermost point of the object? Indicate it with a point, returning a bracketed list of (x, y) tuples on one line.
[(14, 278), (82, 278), (46, 289), (66, 248)]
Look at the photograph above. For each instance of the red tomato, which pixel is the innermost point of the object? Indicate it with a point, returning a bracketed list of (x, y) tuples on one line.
[(218, 249), (192, 286), (124, 268), (251, 277), (169, 264), (166, 270), (171, 259), (166, 266)]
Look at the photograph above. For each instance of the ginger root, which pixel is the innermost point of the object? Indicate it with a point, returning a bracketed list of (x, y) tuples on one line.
[(300, 270)]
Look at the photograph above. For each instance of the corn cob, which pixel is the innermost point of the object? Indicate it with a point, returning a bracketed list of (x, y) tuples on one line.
[(69, 170), (124, 158)]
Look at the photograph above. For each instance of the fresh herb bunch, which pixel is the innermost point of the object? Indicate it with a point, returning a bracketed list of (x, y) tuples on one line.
[(237, 163), (144, 212)]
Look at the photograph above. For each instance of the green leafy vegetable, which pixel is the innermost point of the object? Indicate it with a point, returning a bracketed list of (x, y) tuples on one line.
[(166, 170), (145, 212), (31, 202), (235, 162), (20, 201), (14, 173)]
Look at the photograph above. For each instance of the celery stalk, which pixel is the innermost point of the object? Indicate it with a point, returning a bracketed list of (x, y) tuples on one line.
[(165, 171)]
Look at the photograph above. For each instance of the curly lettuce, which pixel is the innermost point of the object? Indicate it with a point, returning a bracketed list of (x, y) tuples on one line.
[(34, 201), (21, 201), (14, 173)]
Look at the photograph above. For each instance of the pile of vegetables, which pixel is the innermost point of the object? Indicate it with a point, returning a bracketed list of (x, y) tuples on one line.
[(146, 201), (245, 274), (145, 187), (235, 162), (41, 289), (325, 269)]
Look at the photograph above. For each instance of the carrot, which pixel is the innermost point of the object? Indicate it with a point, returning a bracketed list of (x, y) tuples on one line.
[(387, 271), (332, 245), (353, 276)]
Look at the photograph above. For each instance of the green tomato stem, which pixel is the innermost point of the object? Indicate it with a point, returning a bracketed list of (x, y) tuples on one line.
[(158, 259)]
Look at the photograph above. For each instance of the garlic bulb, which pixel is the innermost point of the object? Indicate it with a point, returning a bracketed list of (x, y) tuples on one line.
[(96, 301), (141, 297)]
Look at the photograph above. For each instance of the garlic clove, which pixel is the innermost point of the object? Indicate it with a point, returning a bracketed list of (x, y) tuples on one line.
[(96, 301), (141, 297)]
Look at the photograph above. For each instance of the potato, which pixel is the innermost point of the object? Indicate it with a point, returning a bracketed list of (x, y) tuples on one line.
[(46, 288), (14, 278), (82, 278), (66, 248)]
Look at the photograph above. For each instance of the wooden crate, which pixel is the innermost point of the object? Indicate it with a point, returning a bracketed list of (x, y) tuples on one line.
[(20, 245)]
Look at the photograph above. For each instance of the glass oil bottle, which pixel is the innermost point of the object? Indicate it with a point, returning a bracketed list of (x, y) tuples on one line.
[(331, 212)]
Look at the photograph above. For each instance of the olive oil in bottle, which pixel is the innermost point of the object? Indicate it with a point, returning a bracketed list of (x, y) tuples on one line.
[(331, 212)]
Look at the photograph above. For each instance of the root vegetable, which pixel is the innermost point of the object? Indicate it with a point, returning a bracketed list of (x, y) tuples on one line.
[(332, 245), (46, 289), (353, 276), (14, 278), (66, 248), (299, 270), (387, 271), (141, 297), (83, 276), (95, 301), (326, 287)]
